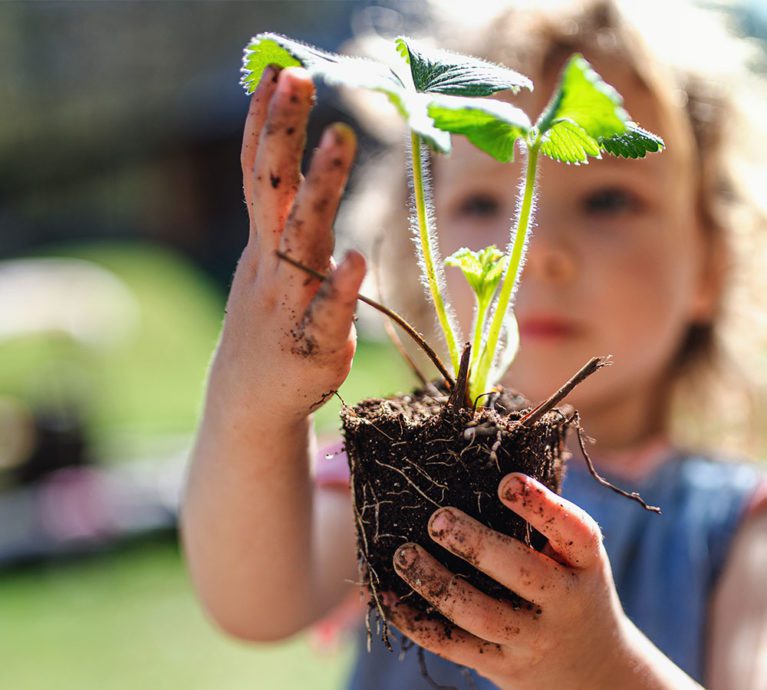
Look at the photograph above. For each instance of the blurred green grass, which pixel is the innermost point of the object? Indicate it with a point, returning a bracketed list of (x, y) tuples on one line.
[(128, 619), (152, 384)]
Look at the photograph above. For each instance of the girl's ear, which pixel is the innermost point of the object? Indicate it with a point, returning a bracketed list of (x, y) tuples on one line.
[(711, 275)]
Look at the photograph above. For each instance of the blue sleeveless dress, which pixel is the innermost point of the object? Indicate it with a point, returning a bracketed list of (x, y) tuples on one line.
[(665, 566)]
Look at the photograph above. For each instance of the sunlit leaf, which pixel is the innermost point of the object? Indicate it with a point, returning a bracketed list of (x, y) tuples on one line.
[(568, 143), (635, 142), (340, 70), (585, 99), (440, 71), (493, 126)]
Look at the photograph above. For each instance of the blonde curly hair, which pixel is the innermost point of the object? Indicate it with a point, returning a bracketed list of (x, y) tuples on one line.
[(713, 105)]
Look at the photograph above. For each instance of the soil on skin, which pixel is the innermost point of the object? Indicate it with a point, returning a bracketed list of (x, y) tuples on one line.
[(411, 454)]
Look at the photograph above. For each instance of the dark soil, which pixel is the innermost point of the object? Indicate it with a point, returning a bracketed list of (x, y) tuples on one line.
[(412, 454)]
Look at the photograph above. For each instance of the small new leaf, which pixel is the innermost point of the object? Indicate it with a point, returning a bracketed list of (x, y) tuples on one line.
[(583, 98), (439, 71), (635, 142), (493, 126), (483, 269)]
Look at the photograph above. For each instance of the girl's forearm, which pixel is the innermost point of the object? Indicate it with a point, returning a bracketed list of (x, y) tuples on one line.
[(247, 520)]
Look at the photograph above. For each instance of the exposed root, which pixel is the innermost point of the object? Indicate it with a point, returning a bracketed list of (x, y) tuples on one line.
[(593, 365), (576, 422), (425, 673), (373, 579), (390, 332), (490, 404), (394, 316), (321, 401), (408, 480)]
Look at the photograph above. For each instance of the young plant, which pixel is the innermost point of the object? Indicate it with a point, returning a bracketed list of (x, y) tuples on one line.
[(483, 271), (449, 453), (440, 93)]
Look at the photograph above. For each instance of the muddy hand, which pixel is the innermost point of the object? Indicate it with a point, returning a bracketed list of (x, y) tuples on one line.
[(574, 622), (288, 341)]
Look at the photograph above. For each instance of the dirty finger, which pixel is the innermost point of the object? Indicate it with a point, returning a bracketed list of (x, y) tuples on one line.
[(457, 645), (572, 533), (277, 168), (259, 104), (308, 235), (525, 571), (479, 614), (327, 322)]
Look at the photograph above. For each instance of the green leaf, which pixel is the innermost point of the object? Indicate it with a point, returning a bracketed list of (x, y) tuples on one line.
[(568, 143), (268, 48), (483, 269), (493, 126), (264, 50), (340, 70), (583, 98), (439, 71), (414, 108), (635, 142)]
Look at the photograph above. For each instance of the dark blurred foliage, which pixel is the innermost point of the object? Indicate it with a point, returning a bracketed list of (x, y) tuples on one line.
[(123, 119)]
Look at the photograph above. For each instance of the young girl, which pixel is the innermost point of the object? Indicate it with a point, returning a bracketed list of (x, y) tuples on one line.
[(629, 258)]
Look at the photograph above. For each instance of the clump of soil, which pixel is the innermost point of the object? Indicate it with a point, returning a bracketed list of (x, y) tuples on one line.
[(412, 454)]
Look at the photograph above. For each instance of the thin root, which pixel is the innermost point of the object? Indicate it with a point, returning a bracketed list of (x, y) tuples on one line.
[(576, 420)]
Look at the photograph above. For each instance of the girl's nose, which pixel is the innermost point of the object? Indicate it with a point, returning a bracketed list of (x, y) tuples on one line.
[(550, 258)]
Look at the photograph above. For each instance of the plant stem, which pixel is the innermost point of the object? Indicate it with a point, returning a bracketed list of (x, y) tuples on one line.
[(511, 276), (428, 250), (477, 349)]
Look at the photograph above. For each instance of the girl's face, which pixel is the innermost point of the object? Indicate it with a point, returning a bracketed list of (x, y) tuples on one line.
[(614, 265)]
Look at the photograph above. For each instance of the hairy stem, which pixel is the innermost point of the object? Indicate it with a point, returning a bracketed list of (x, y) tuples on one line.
[(511, 276), (427, 240), (477, 345)]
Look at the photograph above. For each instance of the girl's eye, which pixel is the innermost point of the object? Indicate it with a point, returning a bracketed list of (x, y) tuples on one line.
[(611, 201), (479, 206)]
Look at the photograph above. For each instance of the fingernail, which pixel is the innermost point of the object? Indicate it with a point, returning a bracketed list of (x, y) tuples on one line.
[(343, 267), (405, 555), (336, 134), (271, 72), (441, 521), (352, 259), (512, 486)]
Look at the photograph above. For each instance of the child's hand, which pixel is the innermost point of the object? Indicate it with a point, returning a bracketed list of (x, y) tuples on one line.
[(574, 633), (288, 340)]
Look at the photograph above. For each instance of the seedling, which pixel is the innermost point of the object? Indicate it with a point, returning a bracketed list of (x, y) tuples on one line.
[(413, 453), (438, 93)]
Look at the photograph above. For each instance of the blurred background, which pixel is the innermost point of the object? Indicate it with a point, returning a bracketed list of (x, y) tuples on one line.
[(121, 219)]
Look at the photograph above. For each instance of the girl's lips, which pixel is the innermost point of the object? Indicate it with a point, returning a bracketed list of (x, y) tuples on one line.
[(549, 327)]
